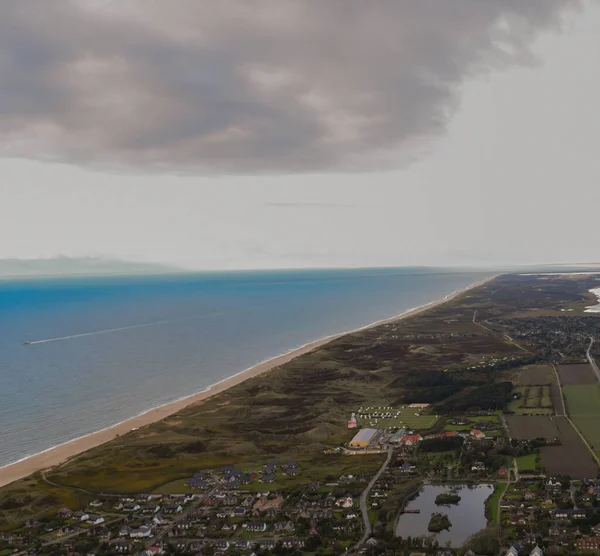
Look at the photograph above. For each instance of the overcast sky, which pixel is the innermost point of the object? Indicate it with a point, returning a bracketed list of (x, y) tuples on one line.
[(280, 133)]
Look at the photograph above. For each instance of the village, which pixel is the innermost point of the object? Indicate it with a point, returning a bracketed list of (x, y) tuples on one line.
[(241, 511)]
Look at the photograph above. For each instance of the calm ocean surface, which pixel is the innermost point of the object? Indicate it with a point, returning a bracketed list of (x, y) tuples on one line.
[(198, 329)]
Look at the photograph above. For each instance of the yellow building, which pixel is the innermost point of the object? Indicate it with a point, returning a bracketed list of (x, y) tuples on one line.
[(362, 438)]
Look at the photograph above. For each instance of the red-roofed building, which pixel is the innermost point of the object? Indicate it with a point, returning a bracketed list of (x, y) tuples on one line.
[(411, 439), (352, 422), (438, 435), (477, 434)]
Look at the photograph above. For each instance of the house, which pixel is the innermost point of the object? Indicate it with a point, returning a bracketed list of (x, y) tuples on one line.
[(248, 501), (512, 551), (96, 504), (65, 513), (346, 502), (196, 483), (503, 472), (268, 478), (590, 543), (122, 547), (411, 439), (537, 551), (221, 544), (238, 512), (396, 438), (256, 526), (352, 422), (478, 466), (407, 468), (84, 517), (124, 531), (475, 433), (561, 514), (578, 514), (158, 520), (142, 532), (152, 551), (95, 519)]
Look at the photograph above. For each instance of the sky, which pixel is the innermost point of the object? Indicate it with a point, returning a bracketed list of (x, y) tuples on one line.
[(284, 134)]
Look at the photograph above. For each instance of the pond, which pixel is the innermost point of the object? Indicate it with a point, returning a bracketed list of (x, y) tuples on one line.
[(467, 517)]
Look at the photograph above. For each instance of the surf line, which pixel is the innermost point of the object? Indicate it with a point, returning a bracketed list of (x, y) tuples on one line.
[(132, 326)]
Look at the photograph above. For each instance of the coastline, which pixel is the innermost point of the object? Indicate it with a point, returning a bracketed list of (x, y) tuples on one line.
[(59, 454)]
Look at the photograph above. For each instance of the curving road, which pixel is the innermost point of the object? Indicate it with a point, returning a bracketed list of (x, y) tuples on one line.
[(591, 359), (363, 503)]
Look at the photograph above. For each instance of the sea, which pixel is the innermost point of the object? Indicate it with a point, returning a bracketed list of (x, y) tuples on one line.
[(105, 349)]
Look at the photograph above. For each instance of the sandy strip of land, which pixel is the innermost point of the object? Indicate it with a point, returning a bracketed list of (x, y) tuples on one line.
[(59, 454)]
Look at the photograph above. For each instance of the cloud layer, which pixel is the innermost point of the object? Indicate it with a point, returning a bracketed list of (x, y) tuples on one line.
[(247, 87)]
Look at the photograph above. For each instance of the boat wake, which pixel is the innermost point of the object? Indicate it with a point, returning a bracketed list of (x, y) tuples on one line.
[(132, 326)]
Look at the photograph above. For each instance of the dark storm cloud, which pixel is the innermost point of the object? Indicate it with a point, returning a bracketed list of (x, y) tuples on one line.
[(247, 87)]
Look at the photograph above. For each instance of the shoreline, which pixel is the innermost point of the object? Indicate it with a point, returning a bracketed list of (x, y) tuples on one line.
[(56, 455)]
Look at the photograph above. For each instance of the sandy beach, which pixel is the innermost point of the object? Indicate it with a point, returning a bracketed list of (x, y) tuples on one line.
[(59, 454)]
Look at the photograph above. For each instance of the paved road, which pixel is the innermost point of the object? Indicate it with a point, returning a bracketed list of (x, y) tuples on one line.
[(363, 503), (591, 359), (505, 336), (566, 413)]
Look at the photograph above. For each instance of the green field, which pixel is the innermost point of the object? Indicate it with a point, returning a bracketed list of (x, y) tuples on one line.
[(532, 400), (492, 502), (589, 427), (583, 405), (527, 463), (582, 399), (475, 422), (401, 417)]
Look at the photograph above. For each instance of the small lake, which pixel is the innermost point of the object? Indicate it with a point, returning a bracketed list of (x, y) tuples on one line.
[(467, 517)]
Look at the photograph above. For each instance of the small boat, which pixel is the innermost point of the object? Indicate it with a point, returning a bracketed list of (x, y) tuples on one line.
[(26, 343)]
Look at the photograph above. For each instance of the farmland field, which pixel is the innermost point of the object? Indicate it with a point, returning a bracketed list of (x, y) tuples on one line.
[(532, 400), (589, 426), (577, 374), (536, 375), (582, 399), (524, 427), (571, 457), (583, 405)]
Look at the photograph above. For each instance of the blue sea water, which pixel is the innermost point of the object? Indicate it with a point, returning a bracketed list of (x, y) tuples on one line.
[(161, 338)]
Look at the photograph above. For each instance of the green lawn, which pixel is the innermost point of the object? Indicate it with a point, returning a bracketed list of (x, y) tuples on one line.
[(527, 462), (409, 418), (533, 400), (582, 399), (475, 424), (492, 501), (583, 405)]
